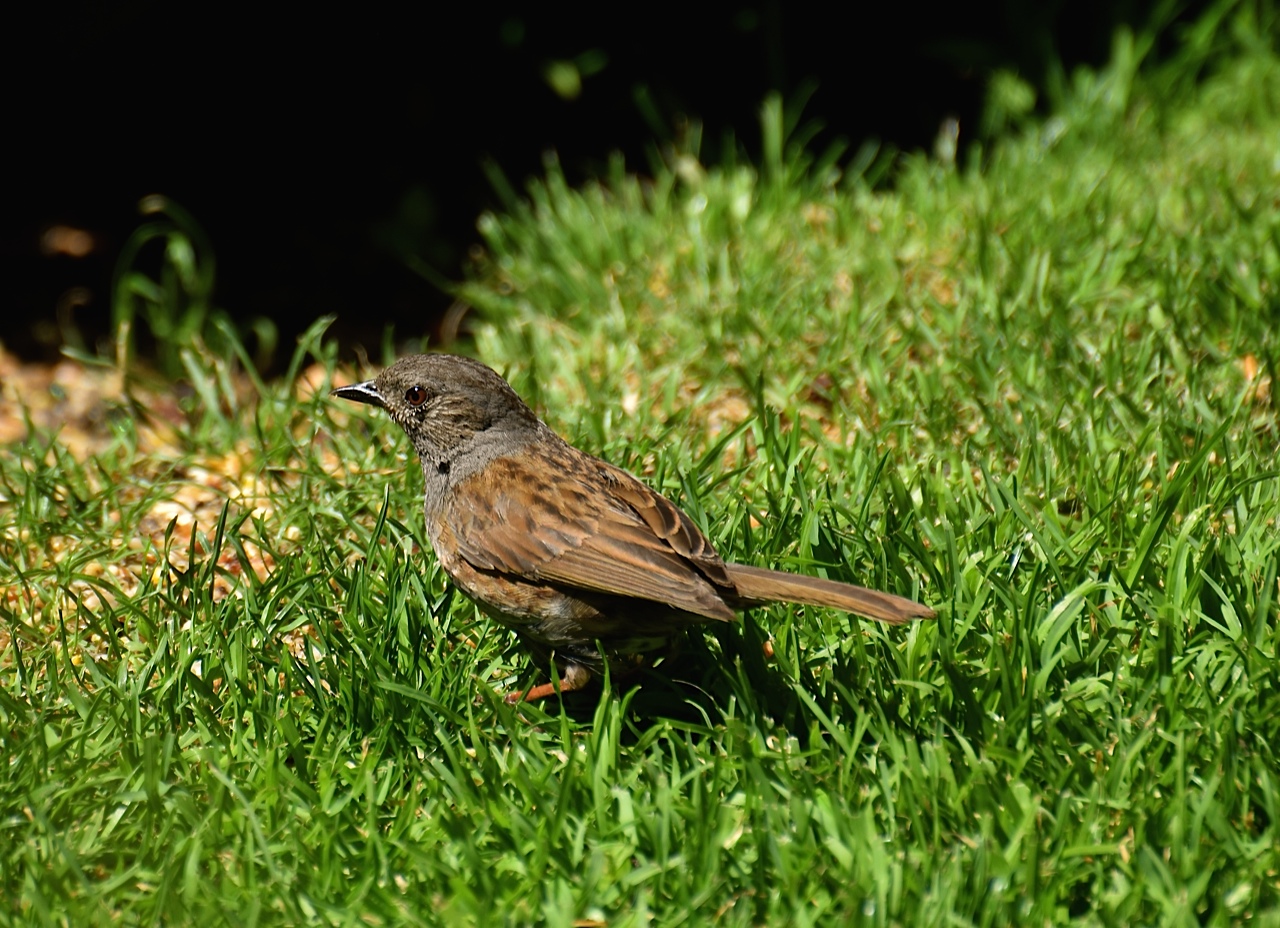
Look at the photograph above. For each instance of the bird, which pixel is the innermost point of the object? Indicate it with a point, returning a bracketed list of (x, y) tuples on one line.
[(589, 565)]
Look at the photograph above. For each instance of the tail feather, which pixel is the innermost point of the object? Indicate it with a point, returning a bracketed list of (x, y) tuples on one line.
[(757, 585)]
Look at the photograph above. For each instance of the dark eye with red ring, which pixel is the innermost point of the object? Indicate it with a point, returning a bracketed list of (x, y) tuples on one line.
[(415, 396)]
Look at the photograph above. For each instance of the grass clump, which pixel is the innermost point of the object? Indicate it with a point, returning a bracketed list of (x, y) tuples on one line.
[(1038, 393)]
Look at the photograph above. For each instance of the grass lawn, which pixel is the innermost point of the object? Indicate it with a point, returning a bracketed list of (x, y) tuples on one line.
[(1038, 393)]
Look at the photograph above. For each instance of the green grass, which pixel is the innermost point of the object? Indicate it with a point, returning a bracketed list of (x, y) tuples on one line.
[(1024, 392)]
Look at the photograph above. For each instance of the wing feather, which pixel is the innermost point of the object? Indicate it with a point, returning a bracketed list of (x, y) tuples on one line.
[(552, 513)]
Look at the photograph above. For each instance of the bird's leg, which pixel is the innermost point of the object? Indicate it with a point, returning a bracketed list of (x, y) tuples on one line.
[(575, 677)]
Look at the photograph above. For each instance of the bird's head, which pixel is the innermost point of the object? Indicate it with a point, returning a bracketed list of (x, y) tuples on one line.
[(445, 402)]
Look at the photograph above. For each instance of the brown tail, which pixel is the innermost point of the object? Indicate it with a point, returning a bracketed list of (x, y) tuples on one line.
[(756, 585)]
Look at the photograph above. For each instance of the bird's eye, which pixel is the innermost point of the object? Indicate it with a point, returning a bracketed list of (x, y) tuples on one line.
[(415, 396)]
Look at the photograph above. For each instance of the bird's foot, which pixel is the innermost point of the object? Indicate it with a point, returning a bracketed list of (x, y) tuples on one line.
[(575, 677)]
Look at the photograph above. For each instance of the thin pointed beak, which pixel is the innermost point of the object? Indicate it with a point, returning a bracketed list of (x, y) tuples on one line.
[(366, 392)]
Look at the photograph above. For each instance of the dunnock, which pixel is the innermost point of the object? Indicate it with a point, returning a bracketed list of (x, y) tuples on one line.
[(584, 561)]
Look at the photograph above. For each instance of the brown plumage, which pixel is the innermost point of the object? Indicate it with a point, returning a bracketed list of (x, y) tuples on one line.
[(565, 548)]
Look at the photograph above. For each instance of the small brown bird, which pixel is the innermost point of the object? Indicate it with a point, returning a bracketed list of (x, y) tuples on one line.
[(584, 561)]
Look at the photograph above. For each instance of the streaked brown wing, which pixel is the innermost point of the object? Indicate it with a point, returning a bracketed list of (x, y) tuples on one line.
[(570, 519), (668, 522)]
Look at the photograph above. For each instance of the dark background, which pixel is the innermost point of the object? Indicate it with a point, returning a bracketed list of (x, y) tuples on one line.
[(318, 149)]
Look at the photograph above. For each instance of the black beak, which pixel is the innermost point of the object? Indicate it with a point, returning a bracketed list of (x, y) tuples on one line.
[(366, 392)]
